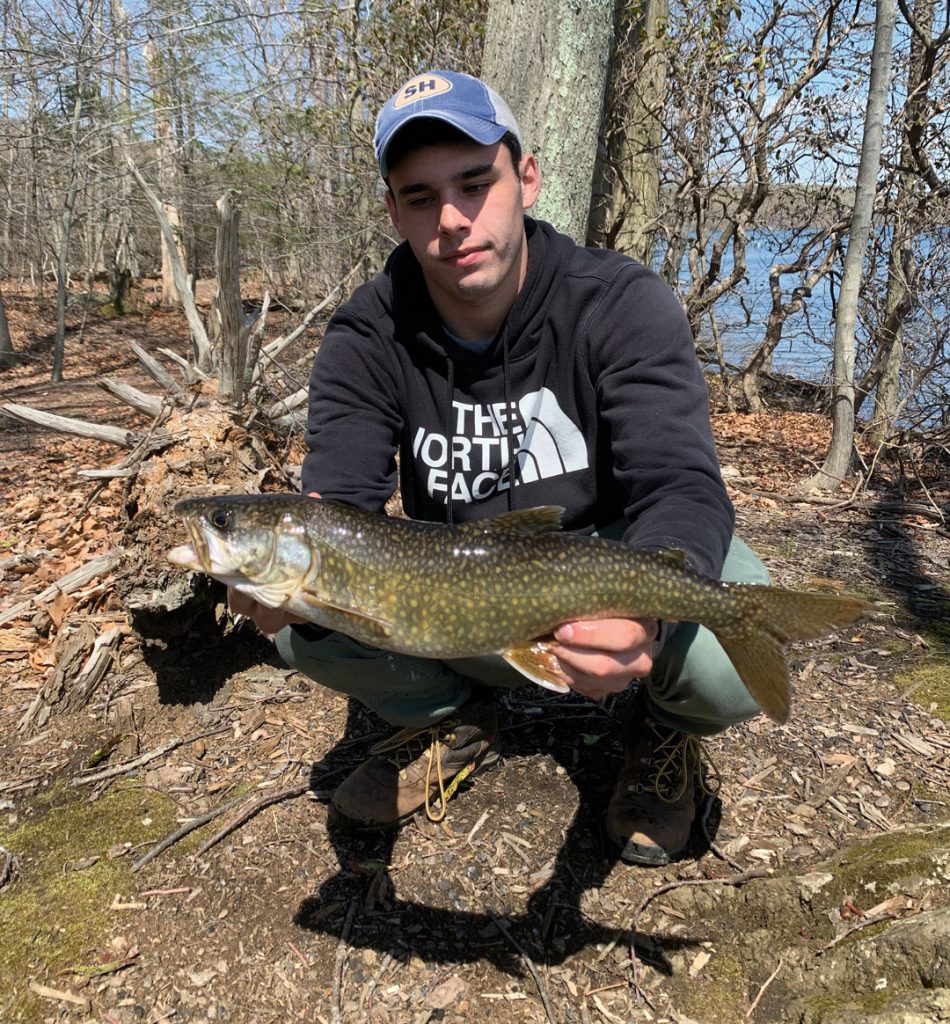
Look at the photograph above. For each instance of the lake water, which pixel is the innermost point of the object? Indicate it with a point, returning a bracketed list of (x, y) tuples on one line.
[(805, 350)]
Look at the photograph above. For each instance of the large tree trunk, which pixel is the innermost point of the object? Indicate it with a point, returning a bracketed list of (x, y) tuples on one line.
[(837, 465), (549, 61)]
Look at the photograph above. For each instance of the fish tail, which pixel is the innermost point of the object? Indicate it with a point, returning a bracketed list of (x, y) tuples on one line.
[(771, 618)]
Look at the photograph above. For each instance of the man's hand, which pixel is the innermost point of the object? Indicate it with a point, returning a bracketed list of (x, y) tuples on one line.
[(267, 620), (602, 656)]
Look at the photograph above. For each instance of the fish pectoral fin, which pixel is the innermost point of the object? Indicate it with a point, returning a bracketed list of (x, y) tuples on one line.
[(538, 662), (380, 627)]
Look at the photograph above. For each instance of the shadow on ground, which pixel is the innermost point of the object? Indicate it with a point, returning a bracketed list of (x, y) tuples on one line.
[(917, 583), (361, 904)]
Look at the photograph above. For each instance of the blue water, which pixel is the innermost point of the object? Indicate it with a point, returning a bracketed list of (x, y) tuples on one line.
[(805, 350)]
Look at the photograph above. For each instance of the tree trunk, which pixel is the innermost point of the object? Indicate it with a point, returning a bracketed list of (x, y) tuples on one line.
[(8, 357), (549, 61), (167, 179), (625, 207), (66, 223), (900, 264), (231, 332), (837, 465)]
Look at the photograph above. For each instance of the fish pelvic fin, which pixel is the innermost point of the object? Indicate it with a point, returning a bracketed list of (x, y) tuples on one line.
[(538, 662), (771, 618)]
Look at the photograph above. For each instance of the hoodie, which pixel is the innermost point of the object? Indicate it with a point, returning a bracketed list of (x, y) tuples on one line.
[(590, 397)]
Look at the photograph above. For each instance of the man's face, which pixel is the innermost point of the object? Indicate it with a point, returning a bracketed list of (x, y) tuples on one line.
[(460, 206)]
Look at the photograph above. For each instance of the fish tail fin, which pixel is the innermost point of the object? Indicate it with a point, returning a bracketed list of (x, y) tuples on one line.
[(771, 618)]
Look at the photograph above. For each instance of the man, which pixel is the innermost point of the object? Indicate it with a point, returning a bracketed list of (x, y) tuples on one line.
[(508, 368)]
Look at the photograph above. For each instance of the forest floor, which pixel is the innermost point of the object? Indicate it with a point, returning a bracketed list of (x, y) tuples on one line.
[(516, 908)]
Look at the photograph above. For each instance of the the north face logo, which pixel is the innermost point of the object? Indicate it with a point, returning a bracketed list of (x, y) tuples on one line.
[(420, 88), (547, 444)]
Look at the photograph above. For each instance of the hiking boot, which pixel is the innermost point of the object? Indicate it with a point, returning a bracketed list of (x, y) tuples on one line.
[(418, 768), (654, 803)]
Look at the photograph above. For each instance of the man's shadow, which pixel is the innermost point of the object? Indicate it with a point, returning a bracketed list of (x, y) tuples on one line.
[(553, 926)]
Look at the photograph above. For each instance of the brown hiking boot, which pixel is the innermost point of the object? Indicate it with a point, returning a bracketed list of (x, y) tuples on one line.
[(654, 802), (418, 768)]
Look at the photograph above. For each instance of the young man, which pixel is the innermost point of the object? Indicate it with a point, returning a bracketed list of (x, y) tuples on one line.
[(507, 368)]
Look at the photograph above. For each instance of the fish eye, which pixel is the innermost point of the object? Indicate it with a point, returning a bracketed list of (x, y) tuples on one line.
[(220, 519)]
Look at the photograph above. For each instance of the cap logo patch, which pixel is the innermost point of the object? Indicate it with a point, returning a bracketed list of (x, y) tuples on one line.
[(420, 88)]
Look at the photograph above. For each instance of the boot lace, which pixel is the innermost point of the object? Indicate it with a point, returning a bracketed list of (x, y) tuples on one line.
[(673, 759), (410, 745)]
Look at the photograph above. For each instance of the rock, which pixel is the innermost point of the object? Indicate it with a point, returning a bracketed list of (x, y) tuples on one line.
[(444, 995)]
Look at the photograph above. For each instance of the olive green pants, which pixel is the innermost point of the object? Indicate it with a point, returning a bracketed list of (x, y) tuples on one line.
[(693, 686)]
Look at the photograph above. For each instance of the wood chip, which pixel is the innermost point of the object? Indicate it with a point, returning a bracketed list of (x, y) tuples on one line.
[(61, 995)]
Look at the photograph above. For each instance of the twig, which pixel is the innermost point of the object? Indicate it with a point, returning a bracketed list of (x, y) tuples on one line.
[(273, 798), (765, 984), (741, 878), (336, 1015), (865, 923), (184, 830), (542, 990), (149, 755), (761, 871)]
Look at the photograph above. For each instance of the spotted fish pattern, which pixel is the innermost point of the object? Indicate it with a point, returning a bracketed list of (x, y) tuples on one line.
[(495, 585)]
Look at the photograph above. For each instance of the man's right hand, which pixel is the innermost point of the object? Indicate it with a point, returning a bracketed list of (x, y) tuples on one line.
[(267, 620)]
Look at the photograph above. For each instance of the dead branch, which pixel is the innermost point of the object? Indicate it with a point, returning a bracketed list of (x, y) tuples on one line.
[(73, 690), (69, 425), (542, 989), (67, 584), (173, 837), (274, 798), (336, 1015), (137, 762), (151, 405), (157, 372), (198, 333)]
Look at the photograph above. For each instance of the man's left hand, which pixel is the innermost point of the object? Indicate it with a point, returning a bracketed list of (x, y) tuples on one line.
[(602, 656)]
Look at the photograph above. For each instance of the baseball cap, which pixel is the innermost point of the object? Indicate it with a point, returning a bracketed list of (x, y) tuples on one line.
[(460, 100)]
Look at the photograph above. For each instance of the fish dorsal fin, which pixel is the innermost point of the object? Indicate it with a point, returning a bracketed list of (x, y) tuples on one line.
[(524, 522)]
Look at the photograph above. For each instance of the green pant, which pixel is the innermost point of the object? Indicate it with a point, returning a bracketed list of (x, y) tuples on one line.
[(693, 686)]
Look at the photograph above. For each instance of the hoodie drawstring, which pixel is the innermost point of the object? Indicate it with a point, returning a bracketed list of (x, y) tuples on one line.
[(509, 430), (509, 426)]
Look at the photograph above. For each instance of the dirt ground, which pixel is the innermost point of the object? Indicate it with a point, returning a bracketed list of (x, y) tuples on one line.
[(516, 908)]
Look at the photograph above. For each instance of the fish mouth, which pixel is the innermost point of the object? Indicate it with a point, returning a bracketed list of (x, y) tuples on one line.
[(195, 555), (187, 557)]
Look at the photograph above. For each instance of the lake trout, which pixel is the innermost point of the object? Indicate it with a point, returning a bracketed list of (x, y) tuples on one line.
[(495, 585)]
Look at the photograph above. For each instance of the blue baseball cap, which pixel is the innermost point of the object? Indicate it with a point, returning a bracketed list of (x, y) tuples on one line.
[(460, 100)]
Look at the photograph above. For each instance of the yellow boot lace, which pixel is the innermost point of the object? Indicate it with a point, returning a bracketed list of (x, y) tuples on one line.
[(408, 745)]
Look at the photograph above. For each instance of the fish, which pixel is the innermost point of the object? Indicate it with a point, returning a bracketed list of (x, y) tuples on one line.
[(497, 585)]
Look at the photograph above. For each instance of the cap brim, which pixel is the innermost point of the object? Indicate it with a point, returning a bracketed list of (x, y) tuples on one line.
[(478, 129)]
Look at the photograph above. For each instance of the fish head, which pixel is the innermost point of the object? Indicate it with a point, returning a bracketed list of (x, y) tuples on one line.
[(258, 546)]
